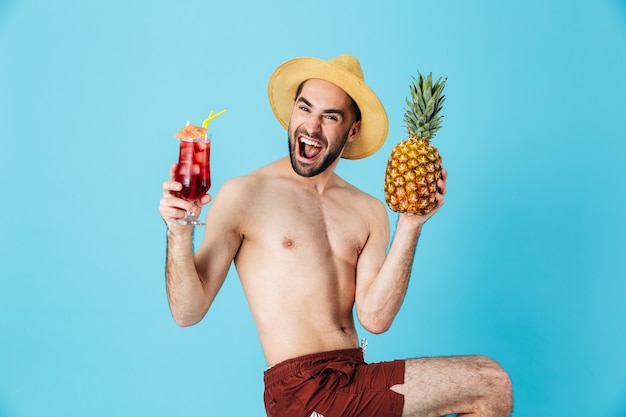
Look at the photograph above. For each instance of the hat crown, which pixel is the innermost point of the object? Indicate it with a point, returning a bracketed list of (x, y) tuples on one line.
[(345, 72), (349, 63)]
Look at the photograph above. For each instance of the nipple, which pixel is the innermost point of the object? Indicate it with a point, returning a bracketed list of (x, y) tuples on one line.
[(288, 243)]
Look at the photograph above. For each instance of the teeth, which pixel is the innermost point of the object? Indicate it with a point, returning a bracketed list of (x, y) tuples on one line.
[(310, 142)]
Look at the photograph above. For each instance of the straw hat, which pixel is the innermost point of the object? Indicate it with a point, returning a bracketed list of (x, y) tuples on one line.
[(345, 72)]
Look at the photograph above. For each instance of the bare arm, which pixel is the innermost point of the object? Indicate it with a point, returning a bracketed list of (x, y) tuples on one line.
[(382, 281), (186, 291), (193, 281)]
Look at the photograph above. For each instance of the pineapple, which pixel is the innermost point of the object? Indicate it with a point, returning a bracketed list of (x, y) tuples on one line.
[(414, 165)]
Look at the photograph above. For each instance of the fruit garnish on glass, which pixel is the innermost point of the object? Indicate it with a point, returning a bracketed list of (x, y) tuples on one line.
[(193, 170)]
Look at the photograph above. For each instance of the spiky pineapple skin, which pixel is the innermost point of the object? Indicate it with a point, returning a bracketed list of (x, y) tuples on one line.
[(414, 166), (413, 169)]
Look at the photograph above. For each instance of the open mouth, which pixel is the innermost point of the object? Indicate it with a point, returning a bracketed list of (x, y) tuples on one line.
[(309, 148)]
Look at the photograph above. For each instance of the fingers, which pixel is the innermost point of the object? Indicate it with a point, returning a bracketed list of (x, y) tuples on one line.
[(441, 183), (171, 185), (172, 207), (205, 199), (441, 192), (441, 187)]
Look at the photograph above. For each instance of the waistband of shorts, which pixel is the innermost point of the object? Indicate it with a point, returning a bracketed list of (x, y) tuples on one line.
[(290, 366)]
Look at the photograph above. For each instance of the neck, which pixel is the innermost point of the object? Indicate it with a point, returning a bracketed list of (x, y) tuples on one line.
[(320, 182)]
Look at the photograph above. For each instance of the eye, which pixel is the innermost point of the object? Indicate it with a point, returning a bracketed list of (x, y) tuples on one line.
[(304, 109), (332, 117)]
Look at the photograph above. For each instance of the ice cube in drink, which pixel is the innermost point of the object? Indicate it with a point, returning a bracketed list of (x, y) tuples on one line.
[(193, 170)]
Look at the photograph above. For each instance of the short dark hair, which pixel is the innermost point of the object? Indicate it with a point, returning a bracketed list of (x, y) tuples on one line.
[(356, 112)]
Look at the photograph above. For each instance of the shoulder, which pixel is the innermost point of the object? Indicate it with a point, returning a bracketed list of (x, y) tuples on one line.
[(362, 197), (240, 184), (376, 209), (241, 190), (249, 181), (366, 204)]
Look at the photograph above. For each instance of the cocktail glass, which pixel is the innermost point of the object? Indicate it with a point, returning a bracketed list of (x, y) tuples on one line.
[(194, 173)]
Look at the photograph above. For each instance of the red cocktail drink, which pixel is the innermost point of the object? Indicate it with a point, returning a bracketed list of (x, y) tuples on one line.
[(194, 169)]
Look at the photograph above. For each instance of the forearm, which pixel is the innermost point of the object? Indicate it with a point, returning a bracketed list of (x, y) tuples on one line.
[(185, 289), (385, 294)]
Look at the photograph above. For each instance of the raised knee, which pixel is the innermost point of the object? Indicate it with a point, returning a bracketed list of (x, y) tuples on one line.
[(499, 383)]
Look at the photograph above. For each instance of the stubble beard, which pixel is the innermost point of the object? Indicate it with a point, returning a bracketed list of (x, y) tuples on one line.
[(326, 160)]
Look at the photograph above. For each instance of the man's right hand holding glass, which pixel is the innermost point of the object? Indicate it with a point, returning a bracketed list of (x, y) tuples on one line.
[(173, 208)]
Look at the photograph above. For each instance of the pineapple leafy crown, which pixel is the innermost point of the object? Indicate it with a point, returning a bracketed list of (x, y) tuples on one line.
[(423, 115)]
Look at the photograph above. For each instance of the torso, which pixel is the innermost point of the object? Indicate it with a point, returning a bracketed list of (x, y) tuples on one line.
[(297, 262)]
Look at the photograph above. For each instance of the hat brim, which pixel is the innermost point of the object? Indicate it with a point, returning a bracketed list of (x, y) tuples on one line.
[(286, 79)]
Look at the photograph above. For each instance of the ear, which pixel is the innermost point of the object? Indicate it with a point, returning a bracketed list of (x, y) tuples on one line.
[(354, 131)]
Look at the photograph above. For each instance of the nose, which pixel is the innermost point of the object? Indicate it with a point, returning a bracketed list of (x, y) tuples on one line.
[(313, 124)]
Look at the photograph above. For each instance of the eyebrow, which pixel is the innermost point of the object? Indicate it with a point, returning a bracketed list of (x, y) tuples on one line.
[(327, 111)]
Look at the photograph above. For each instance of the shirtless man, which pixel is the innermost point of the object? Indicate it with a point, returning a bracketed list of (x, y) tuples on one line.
[(308, 246)]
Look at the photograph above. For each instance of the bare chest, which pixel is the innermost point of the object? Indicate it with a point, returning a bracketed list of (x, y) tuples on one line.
[(300, 226)]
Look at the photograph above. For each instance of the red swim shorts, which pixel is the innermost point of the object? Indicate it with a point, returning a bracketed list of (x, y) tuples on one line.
[(333, 384)]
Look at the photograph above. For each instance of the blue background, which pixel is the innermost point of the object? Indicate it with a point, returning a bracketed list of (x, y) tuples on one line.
[(525, 263)]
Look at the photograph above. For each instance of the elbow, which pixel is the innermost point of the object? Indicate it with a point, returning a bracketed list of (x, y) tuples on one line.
[(186, 315), (185, 320), (377, 328), (375, 323)]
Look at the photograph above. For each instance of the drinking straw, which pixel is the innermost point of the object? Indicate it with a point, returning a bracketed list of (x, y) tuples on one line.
[(212, 116)]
